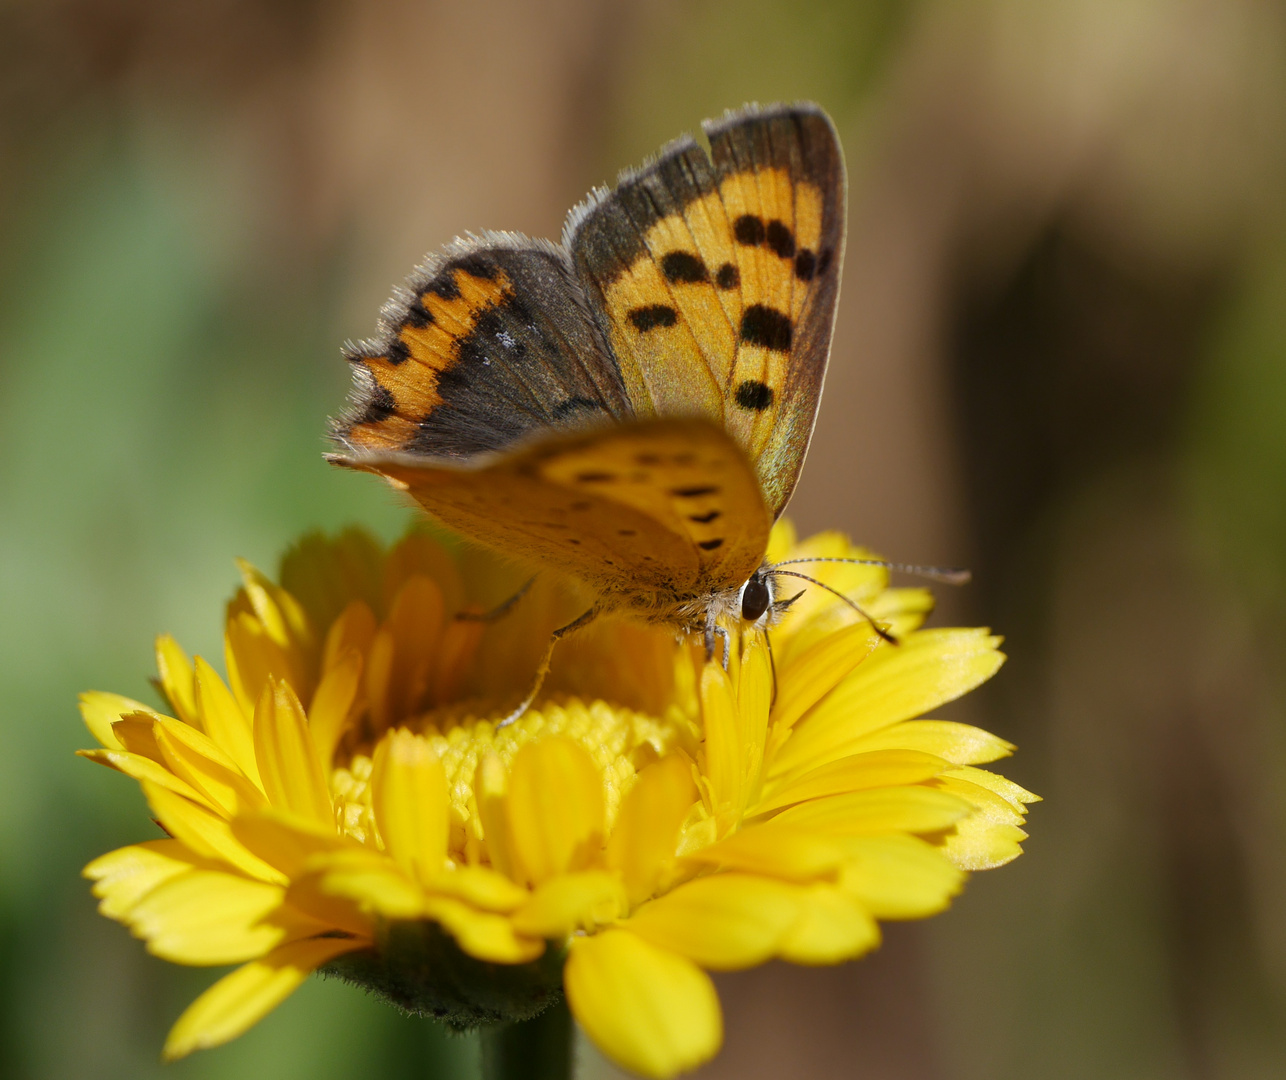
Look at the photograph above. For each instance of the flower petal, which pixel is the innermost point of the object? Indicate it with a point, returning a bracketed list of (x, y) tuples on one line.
[(100, 710), (196, 758), (554, 808), (647, 827), (571, 902), (480, 887), (724, 922), (959, 744), (899, 877), (122, 877), (332, 702), (241, 999), (896, 683), (225, 723), (142, 768), (832, 927), (819, 670), (205, 832), (372, 880), (287, 759), (285, 840), (409, 796), (776, 851), (208, 917), (483, 934), (878, 768), (175, 671), (914, 809), (650, 1011)]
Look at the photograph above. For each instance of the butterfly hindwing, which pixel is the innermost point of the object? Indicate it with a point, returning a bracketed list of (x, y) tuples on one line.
[(715, 279), (654, 509), (488, 342)]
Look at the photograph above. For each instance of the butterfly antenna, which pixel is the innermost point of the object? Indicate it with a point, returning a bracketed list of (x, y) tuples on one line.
[(542, 668), (835, 592), (948, 575), (772, 667), (499, 610)]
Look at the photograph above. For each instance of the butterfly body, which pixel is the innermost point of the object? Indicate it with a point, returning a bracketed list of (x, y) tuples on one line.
[(632, 406)]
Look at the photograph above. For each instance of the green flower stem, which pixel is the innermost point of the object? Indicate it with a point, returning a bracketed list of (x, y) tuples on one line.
[(535, 1049)]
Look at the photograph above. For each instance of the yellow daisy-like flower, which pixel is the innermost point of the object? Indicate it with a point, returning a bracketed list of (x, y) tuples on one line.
[(345, 801)]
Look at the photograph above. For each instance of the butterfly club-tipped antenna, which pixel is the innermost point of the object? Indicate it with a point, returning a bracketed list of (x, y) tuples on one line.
[(947, 575), (835, 592)]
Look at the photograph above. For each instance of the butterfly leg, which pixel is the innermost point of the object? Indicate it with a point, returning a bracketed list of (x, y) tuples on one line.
[(713, 630), (543, 668), (500, 610)]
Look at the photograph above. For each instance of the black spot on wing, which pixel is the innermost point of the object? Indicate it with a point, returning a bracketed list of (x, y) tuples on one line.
[(444, 285), (417, 315), (780, 239), (705, 519), (652, 316), (595, 477), (762, 325), (693, 492), (754, 395), (729, 277), (711, 545), (805, 265), (683, 268), (398, 352), (749, 230)]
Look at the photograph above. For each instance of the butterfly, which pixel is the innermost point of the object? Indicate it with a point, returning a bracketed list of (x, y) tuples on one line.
[(632, 406)]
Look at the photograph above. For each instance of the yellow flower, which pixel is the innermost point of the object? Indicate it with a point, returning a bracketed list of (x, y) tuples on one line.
[(345, 800)]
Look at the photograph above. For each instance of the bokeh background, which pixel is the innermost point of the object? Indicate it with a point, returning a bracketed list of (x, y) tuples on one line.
[(1060, 358)]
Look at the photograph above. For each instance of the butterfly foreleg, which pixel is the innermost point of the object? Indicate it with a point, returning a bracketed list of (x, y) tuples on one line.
[(713, 630), (500, 610), (542, 668)]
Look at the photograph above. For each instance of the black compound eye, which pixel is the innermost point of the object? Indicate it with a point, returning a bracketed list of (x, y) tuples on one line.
[(755, 599)]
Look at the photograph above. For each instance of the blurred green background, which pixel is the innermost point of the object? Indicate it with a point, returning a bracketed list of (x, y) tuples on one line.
[(1061, 358)]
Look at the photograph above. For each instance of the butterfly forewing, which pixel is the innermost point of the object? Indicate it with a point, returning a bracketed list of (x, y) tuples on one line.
[(716, 281)]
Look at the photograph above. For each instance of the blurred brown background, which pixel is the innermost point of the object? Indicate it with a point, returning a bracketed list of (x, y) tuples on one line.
[(1060, 358)]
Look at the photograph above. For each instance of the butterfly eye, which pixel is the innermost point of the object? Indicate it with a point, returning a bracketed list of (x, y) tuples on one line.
[(755, 598)]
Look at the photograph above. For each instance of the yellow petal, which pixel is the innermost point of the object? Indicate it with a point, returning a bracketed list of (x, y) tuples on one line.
[(351, 632), (136, 734), (141, 768), (205, 833), (332, 702), (833, 926), (480, 887), (208, 917), (571, 902), (819, 670), (278, 611), (1017, 797), (554, 808), (285, 840), (305, 895), (175, 671), (897, 682), (414, 625), (253, 658), (723, 922), (491, 786), (724, 754), (982, 844), (225, 723), (287, 758), (241, 999), (899, 877), (776, 850), (650, 1011), (959, 744), (913, 809), (481, 934), (646, 833), (878, 768), (101, 710), (372, 880), (194, 757), (409, 797), (122, 877)]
